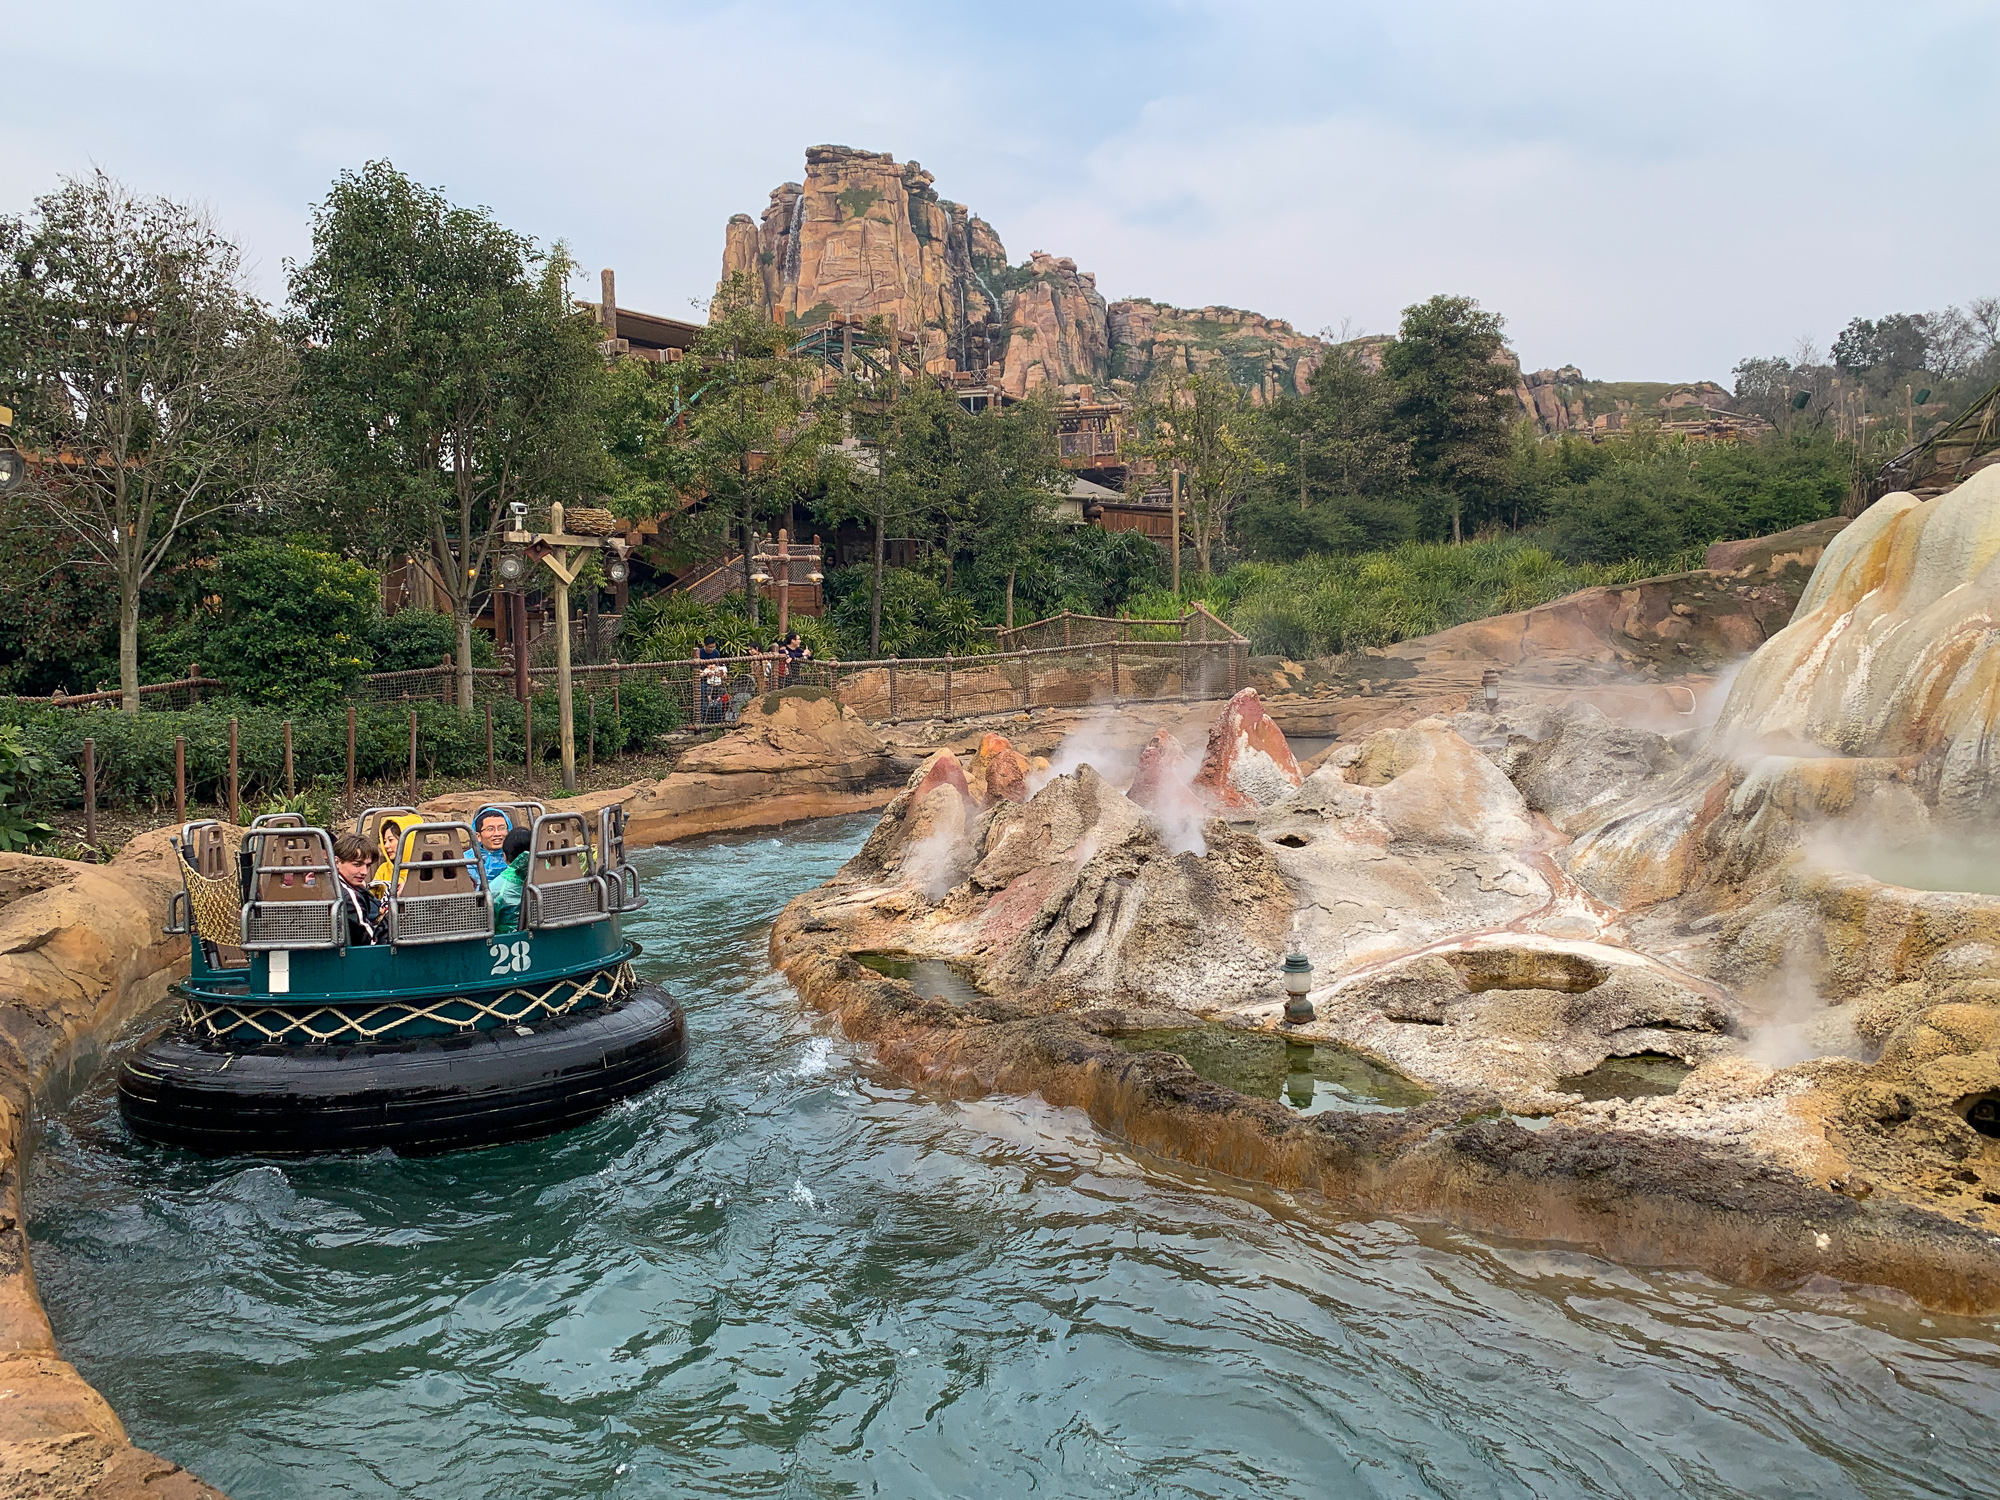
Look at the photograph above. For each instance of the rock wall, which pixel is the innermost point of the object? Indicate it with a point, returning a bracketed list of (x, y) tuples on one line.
[(81, 959)]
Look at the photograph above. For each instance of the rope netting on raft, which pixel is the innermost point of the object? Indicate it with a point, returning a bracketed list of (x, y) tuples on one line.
[(332, 1023)]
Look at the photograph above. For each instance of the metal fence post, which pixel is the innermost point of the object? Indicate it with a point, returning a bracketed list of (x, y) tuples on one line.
[(90, 792), (528, 738), (590, 718), (180, 778), (235, 804), (350, 752)]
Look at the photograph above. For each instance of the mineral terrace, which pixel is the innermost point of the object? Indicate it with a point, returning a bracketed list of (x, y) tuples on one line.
[(1493, 906)]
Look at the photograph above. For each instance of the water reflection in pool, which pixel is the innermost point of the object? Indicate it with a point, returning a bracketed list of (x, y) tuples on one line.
[(781, 1274)]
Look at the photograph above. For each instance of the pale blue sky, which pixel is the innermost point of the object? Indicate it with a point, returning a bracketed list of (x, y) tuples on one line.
[(1646, 191)]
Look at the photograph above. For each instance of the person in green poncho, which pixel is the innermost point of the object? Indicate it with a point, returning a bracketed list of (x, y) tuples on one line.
[(511, 882)]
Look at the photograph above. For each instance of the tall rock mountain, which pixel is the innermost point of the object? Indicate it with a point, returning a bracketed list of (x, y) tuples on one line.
[(864, 235)]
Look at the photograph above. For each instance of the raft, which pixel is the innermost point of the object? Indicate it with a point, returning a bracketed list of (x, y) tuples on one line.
[(448, 1036)]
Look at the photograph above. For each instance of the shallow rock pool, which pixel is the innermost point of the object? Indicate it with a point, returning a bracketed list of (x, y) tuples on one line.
[(783, 1274)]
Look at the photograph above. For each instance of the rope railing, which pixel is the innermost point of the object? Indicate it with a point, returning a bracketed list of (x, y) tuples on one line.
[(1102, 661)]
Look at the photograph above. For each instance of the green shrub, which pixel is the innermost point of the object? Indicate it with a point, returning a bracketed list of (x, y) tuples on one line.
[(21, 764), (418, 638), (291, 625)]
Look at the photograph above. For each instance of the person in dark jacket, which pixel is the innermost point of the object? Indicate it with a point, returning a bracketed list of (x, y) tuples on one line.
[(354, 858)]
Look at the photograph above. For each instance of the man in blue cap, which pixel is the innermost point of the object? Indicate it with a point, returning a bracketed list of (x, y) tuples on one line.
[(491, 825)]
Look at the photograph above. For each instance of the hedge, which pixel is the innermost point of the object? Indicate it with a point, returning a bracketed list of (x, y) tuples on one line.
[(135, 752)]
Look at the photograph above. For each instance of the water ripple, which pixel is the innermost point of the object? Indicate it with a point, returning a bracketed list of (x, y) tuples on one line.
[(782, 1274)]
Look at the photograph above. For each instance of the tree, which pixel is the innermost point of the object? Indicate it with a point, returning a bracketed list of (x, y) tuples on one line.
[(746, 435), (449, 376), (151, 384), (1012, 474), (1453, 401), (1888, 348), (293, 622), (1204, 426)]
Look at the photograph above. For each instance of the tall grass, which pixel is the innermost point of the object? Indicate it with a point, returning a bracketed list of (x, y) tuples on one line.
[(1325, 605)]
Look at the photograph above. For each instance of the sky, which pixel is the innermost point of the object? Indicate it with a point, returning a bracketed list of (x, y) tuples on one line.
[(1647, 192)]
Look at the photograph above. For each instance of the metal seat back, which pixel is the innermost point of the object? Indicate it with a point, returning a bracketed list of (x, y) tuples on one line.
[(621, 881), (438, 891), (294, 897), (561, 888)]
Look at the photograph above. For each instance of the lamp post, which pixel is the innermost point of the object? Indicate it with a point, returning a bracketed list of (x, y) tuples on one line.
[(557, 551), (781, 558), (1298, 972)]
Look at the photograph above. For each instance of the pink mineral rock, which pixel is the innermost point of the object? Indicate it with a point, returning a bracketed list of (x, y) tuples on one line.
[(1248, 764), (944, 770), (1163, 771)]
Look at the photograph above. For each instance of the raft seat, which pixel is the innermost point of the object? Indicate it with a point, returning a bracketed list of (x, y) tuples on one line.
[(438, 894), (295, 902), (561, 889)]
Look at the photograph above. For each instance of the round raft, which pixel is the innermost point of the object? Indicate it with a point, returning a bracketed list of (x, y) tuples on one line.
[(446, 1036)]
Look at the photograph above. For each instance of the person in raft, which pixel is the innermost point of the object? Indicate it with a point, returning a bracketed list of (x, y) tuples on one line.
[(354, 859), (385, 869), (490, 825), (511, 882)]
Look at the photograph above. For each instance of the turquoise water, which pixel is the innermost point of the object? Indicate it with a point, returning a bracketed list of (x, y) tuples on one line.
[(781, 1274)]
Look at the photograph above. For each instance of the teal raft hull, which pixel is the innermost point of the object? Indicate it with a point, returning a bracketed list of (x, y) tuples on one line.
[(420, 1050)]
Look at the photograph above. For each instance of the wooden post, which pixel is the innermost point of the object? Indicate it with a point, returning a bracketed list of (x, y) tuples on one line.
[(1176, 544), (528, 739), (565, 711), (413, 757), (235, 807), (892, 690), (1066, 639), (1114, 669), (491, 775), (291, 786), (518, 604), (90, 792), (947, 687), (180, 778), (617, 712), (350, 752), (784, 584)]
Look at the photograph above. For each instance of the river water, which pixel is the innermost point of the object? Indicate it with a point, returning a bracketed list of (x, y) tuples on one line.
[(783, 1274)]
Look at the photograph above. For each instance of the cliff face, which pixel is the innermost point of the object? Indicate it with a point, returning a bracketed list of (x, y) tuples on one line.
[(864, 235), (1266, 356)]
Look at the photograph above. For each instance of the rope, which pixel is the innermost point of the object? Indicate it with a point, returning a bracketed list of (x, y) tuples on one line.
[(217, 908), (332, 1023)]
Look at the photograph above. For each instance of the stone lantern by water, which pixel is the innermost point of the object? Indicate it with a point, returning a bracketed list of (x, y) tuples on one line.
[(1298, 972)]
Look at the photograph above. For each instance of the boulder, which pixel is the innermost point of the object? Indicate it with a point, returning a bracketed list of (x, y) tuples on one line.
[(1162, 773), (999, 772)]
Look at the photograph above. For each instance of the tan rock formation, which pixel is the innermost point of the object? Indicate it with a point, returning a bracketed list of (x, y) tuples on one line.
[(796, 754), (1056, 328), (864, 236), (1266, 356), (81, 959)]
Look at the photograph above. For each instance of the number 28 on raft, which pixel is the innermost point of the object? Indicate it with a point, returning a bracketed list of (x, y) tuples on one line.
[(510, 958)]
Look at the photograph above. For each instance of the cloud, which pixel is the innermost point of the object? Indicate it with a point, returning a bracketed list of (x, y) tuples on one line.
[(1646, 193)]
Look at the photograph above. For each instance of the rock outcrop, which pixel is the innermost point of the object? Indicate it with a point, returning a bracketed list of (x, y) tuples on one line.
[(1266, 356), (795, 754)]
